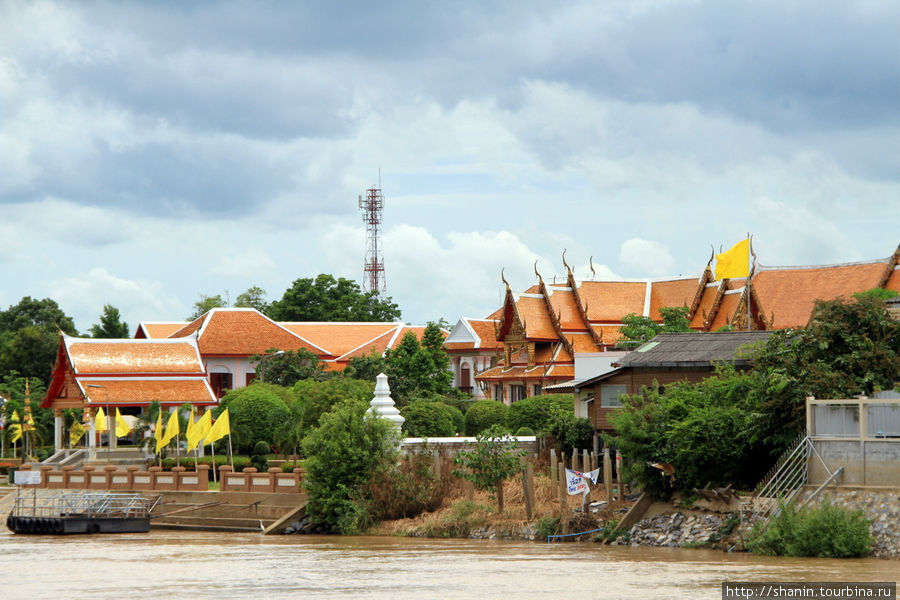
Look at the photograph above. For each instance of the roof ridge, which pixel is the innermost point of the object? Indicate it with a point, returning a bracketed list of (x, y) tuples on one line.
[(763, 267)]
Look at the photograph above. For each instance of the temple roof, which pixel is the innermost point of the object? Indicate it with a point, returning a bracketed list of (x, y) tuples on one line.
[(158, 329), (473, 334), (242, 332), (609, 301), (788, 294), (102, 356), (673, 293)]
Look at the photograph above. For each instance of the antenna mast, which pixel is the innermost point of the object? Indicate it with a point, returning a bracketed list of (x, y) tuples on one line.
[(373, 271)]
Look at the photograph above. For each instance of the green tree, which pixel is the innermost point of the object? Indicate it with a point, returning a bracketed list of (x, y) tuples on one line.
[(328, 299), (366, 367), (319, 397), (537, 412), (483, 415), (111, 326), (637, 329), (29, 337), (495, 458), (254, 297), (848, 348), (256, 412), (347, 448), (206, 304), (428, 419), (418, 369), (289, 367)]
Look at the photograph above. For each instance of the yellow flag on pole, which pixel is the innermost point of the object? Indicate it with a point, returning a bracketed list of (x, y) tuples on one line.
[(122, 426), (158, 434), (76, 432), (15, 428), (734, 262), (190, 428), (220, 428), (100, 420), (172, 428), (199, 431)]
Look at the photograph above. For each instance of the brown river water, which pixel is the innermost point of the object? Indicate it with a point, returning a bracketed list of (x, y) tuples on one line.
[(197, 565)]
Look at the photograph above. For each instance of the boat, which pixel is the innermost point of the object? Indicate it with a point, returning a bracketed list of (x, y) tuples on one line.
[(70, 512)]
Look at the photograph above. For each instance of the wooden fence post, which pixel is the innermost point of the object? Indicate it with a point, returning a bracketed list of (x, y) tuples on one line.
[(553, 470), (437, 465), (528, 508), (562, 487), (607, 475)]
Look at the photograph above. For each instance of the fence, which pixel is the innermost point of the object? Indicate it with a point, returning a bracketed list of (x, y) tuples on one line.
[(111, 477)]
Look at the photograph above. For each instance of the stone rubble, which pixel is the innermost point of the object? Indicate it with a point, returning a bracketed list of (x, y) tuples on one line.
[(676, 529)]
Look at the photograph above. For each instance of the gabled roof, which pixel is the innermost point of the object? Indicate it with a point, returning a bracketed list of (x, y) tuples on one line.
[(609, 301), (533, 313), (788, 294), (693, 349), (672, 293), (128, 372), (473, 334), (158, 329), (339, 338), (104, 356), (242, 332)]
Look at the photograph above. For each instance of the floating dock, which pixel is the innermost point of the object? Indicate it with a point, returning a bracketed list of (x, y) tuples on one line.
[(71, 512)]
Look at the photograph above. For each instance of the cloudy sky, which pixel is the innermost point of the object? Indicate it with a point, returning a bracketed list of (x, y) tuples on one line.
[(151, 152)]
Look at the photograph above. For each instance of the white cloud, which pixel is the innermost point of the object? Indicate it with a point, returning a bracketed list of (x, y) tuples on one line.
[(647, 258)]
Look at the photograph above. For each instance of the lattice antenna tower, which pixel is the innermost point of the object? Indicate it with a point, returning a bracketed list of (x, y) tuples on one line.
[(372, 207)]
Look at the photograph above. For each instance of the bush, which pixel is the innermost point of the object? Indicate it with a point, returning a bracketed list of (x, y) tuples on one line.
[(403, 491), (484, 414), (571, 432), (255, 413), (827, 531), (428, 419), (319, 397), (525, 431), (261, 447), (342, 454), (537, 412)]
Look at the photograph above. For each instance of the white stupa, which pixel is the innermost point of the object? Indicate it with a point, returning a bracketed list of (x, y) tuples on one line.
[(383, 405)]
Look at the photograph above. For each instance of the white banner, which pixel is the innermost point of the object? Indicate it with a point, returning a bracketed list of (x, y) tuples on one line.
[(575, 482), (27, 478)]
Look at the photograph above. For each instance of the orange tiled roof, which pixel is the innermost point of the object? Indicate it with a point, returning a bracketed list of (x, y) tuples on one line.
[(727, 309), (486, 331), (242, 332), (610, 334), (135, 391), (158, 329), (582, 342), (893, 282), (342, 337), (565, 305), (611, 300), (516, 372), (676, 292), (562, 371), (533, 313), (133, 356), (787, 295), (706, 306)]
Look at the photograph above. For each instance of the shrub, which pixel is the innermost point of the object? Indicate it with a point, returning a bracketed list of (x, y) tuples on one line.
[(571, 432), (319, 397), (428, 419), (496, 457), (525, 431), (342, 454), (255, 412), (261, 447), (537, 412), (484, 414), (403, 491), (827, 531)]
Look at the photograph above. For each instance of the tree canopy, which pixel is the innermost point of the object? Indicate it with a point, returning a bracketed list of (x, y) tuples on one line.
[(289, 367), (328, 299), (111, 326), (418, 370), (29, 337), (637, 329)]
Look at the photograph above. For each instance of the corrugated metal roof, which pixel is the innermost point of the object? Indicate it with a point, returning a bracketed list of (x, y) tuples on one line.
[(693, 349)]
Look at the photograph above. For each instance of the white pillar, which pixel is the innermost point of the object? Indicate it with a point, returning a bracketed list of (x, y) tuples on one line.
[(58, 422), (382, 404)]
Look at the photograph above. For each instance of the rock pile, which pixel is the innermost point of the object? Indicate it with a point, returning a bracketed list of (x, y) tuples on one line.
[(676, 529)]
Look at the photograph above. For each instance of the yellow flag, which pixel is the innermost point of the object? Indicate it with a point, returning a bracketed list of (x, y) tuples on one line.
[(100, 421), (172, 428), (190, 428), (122, 426), (15, 428), (199, 431), (158, 434), (220, 428), (76, 432), (734, 262)]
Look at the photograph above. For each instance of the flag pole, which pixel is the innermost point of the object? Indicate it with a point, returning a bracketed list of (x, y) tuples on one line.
[(230, 453), (212, 449)]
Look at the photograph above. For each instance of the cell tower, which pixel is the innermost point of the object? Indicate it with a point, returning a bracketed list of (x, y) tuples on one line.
[(373, 272)]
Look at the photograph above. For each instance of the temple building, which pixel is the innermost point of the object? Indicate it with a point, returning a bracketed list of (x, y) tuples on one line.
[(538, 333)]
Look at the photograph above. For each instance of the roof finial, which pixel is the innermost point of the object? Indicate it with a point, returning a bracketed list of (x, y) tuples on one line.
[(503, 277), (568, 268), (593, 272), (538, 275)]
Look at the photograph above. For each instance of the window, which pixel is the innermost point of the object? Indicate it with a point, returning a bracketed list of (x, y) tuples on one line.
[(248, 379), (516, 393), (498, 393), (610, 395), (536, 389), (220, 383)]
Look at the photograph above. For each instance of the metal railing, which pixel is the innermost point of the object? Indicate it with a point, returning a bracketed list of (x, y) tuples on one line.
[(84, 504)]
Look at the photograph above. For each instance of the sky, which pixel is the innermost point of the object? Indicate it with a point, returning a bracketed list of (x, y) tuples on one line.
[(151, 152)]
